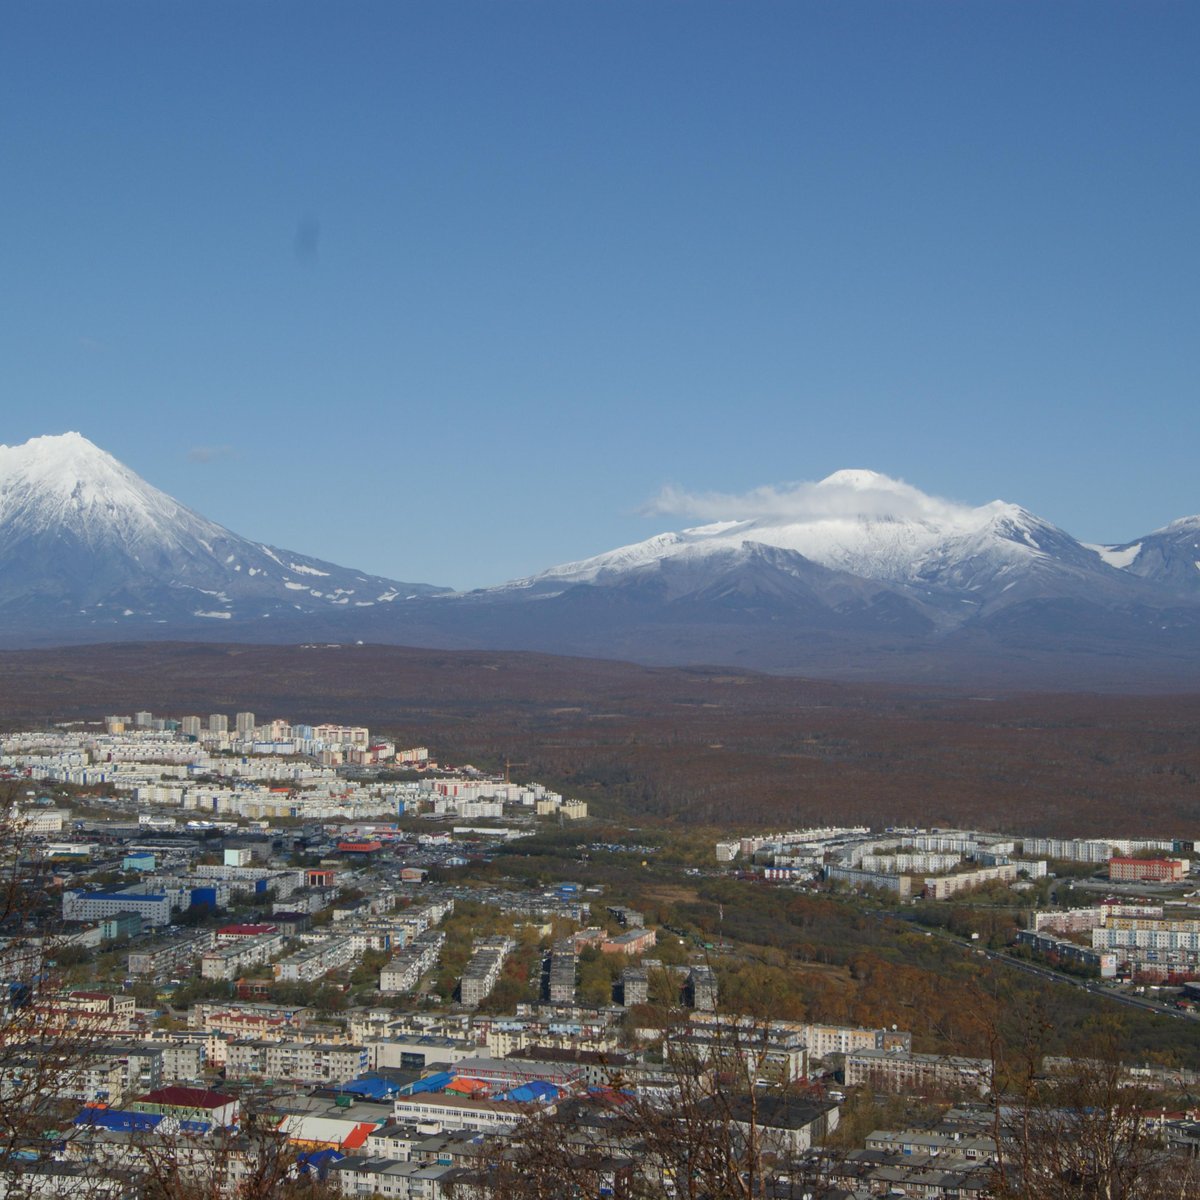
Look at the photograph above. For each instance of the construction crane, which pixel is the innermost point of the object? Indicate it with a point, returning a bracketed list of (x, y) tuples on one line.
[(508, 765)]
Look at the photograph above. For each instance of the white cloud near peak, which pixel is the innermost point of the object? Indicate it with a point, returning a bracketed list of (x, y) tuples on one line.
[(845, 494)]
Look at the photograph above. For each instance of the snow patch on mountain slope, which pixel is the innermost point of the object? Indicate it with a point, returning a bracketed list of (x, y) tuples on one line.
[(1116, 556)]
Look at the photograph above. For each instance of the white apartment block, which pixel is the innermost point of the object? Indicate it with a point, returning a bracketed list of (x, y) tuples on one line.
[(904, 863), (315, 960), (404, 971), (1148, 939), (897, 1071), (80, 905), (482, 972), (1085, 850), (229, 960), (295, 1061), (1082, 920), (824, 1040), (941, 887), (458, 1112), (168, 959)]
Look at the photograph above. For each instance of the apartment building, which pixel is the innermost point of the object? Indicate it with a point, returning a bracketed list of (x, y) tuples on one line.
[(562, 973), (942, 887), (81, 905), (900, 1071), (1099, 958), (1147, 870), (635, 986), (774, 1052), (483, 970), (631, 942), (231, 958), (315, 960), (308, 1062), (1083, 920), (824, 1040), (165, 960), (394, 1179), (885, 881), (404, 971)]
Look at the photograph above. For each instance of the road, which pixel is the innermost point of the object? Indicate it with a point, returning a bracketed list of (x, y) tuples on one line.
[(1019, 964)]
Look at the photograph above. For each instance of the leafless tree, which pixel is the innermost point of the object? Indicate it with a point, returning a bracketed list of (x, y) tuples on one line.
[(1079, 1127)]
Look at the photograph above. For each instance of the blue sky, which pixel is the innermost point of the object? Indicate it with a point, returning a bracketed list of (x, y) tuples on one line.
[(450, 290)]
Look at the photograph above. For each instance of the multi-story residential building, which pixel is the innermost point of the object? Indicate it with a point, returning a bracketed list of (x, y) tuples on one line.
[(249, 1020), (315, 960), (1083, 920), (92, 1079), (296, 1061), (635, 986), (162, 960), (395, 1179), (631, 942), (772, 1052), (918, 862), (1147, 870), (483, 970), (1094, 850), (404, 971), (144, 1065), (184, 1053), (824, 1040), (942, 887), (900, 1071), (562, 973), (1099, 959), (1166, 938), (81, 905), (702, 989), (230, 959), (886, 881)]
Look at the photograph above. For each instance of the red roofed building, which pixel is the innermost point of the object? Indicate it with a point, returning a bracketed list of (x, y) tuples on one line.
[(190, 1104), (359, 847), (230, 933), (327, 1133)]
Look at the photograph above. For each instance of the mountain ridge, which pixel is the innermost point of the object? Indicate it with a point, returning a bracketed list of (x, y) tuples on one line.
[(855, 576)]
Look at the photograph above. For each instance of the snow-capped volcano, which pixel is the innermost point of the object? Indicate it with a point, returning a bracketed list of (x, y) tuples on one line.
[(855, 575), (867, 525), (67, 486), (85, 540)]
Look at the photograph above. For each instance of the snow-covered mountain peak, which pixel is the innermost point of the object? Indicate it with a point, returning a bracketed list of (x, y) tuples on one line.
[(81, 531), (66, 482), (59, 462), (1181, 525), (853, 477), (858, 521)]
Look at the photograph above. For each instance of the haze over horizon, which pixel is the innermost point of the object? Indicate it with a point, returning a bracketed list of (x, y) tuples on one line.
[(458, 292)]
